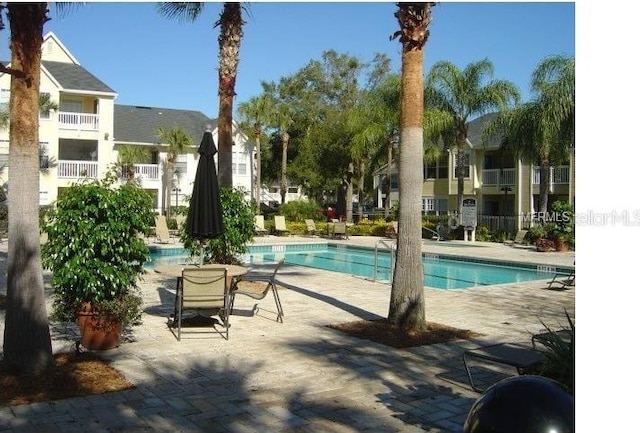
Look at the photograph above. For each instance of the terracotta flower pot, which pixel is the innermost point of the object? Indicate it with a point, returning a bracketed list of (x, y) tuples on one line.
[(561, 245), (98, 332), (544, 245)]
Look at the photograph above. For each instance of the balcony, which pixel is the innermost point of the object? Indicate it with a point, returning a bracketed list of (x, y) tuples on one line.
[(493, 177), (145, 171), (78, 121), (77, 169), (559, 175)]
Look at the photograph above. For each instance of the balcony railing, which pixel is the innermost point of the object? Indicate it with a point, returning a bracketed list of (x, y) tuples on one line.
[(559, 175), (492, 177), (145, 171), (80, 121), (77, 169)]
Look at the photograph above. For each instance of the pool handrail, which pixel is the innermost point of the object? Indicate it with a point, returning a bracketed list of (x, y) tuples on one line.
[(391, 248)]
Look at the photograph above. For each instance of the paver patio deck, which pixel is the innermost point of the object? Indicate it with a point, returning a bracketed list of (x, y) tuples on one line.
[(300, 376)]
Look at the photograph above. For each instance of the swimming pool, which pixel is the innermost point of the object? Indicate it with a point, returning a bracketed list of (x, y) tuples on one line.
[(440, 272)]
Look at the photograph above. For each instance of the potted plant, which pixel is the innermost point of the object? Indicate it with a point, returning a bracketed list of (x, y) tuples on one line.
[(545, 245), (561, 229), (96, 255)]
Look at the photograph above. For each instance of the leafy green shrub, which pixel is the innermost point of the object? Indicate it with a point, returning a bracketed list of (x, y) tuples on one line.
[(94, 249), (238, 221), (482, 234), (562, 228), (535, 233), (560, 354), (300, 210)]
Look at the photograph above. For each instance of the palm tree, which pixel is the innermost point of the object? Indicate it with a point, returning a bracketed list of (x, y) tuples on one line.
[(376, 124), (257, 113), (282, 120), (230, 23), (45, 103), (27, 341), (406, 306), (128, 156), (458, 96), (543, 129), (178, 142)]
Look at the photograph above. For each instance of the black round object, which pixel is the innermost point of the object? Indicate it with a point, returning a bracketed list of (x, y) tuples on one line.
[(523, 404)]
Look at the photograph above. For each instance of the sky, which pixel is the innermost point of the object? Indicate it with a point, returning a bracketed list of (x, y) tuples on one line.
[(154, 61)]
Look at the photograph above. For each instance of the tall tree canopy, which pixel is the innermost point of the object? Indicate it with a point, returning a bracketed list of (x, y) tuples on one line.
[(230, 23), (542, 130), (455, 97)]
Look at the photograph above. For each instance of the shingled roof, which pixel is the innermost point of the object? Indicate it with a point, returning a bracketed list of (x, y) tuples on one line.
[(134, 124), (475, 129), (74, 77)]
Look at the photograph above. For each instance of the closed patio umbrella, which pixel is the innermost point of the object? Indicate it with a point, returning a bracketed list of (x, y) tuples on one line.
[(204, 220)]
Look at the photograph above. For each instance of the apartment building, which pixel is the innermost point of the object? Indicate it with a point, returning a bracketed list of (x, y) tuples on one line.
[(506, 188), (82, 138)]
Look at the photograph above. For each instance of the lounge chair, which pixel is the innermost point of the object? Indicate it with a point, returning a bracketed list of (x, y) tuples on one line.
[(203, 289), (180, 220), (525, 359), (163, 235), (518, 240), (281, 225), (340, 230), (311, 226), (258, 225), (241, 288), (562, 281)]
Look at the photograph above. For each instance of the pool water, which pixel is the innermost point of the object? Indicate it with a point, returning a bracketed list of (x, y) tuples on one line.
[(440, 272)]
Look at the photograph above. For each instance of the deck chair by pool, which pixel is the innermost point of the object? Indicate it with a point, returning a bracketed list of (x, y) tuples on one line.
[(162, 231), (562, 281), (241, 287), (311, 226), (525, 359), (340, 230), (518, 240), (281, 225), (180, 220), (206, 291), (258, 225)]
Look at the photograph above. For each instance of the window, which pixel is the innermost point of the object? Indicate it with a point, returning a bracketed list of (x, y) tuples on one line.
[(438, 169), (4, 154), (71, 106), (292, 190), (44, 154), (242, 168), (4, 99), (465, 162), (435, 205), (45, 114), (180, 165)]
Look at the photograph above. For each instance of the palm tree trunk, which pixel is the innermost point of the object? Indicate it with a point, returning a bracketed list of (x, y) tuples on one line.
[(361, 189), (387, 202), (349, 197), (168, 185), (229, 43), (284, 184), (258, 193), (27, 341), (460, 140), (545, 178), (406, 307)]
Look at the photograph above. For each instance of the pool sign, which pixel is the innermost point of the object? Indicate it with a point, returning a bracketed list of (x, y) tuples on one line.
[(469, 213)]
